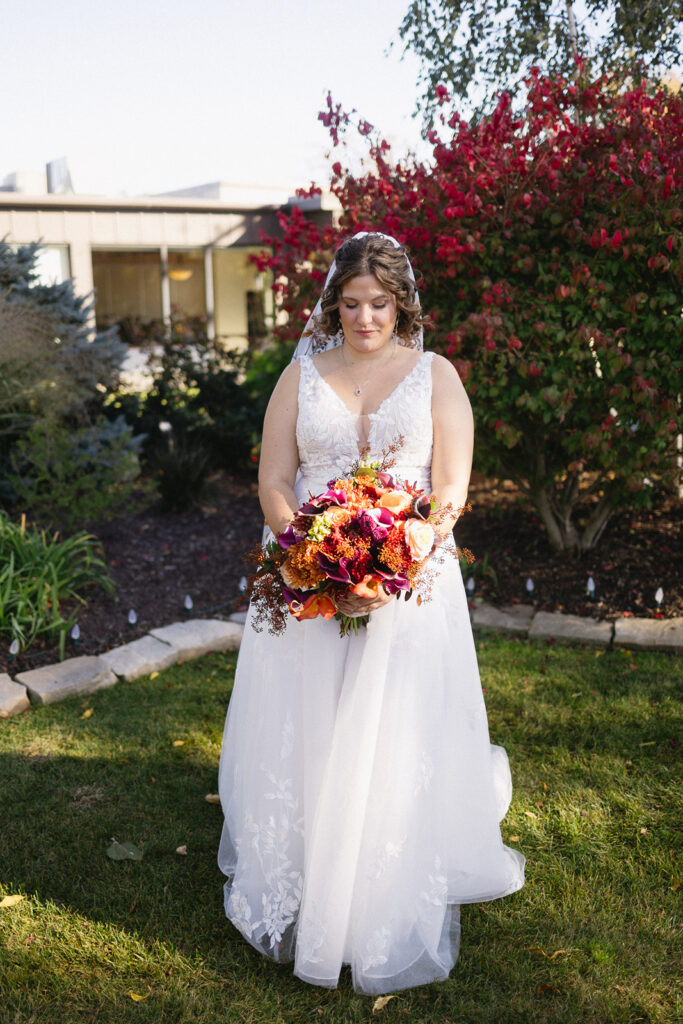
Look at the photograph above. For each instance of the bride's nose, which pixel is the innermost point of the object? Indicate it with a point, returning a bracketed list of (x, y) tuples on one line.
[(365, 315)]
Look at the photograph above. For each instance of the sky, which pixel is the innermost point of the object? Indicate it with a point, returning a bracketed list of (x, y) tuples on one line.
[(146, 97)]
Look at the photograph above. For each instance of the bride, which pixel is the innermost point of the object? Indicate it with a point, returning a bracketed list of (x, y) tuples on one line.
[(361, 794)]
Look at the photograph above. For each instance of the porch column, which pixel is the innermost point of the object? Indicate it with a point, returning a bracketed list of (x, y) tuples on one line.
[(165, 286), (208, 293)]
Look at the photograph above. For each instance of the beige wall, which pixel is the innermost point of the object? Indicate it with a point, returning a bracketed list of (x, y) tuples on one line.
[(233, 276)]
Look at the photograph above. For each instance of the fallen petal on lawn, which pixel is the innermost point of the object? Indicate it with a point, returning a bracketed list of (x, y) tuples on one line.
[(212, 798), (87, 713), (10, 901), (138, 998), (380, 1003), (123, 851), (182, 850), (178, 743)]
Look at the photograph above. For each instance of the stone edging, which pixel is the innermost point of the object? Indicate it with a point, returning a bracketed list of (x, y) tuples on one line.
[(154, 652), (183, 641), (626, 631)]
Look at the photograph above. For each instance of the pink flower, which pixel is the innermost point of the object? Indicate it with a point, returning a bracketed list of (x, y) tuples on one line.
[(419, 538)]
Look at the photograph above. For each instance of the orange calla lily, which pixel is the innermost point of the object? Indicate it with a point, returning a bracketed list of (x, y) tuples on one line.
[(313, 606), (368, 587)]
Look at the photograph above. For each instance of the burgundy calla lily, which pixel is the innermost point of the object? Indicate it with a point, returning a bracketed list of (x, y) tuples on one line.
[(322, 502), (288, 537), (335, 570)]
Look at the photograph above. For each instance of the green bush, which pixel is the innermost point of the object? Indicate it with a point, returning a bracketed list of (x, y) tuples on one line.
[(70, 477), (38, 573), (203, 399), (181, 471)]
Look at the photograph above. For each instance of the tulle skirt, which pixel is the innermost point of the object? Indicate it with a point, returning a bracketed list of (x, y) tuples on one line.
[(361, 794)]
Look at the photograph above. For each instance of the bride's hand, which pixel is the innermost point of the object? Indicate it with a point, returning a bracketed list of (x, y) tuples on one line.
[(352, 604)]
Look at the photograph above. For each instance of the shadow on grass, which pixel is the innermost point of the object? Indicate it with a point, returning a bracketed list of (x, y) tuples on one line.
[(157, 926)]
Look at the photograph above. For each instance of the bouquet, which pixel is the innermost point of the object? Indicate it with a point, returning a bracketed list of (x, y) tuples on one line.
[(365, 532)]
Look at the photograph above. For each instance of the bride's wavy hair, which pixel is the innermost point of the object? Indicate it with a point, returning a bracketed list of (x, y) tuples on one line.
[(373, 254)]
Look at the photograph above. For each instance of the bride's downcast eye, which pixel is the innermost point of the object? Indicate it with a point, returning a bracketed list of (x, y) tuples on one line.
[(354, 305)]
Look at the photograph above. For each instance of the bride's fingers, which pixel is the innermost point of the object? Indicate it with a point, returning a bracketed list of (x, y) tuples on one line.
[(352, 604)]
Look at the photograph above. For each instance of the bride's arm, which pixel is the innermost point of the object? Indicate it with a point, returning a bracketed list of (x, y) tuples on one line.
[(453, 441), (279, 453)]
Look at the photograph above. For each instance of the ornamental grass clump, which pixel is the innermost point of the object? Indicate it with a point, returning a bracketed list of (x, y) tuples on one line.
[(40, 574)]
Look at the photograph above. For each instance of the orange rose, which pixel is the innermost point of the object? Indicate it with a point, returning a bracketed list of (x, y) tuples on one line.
[(338, 516), (419, 538), (396, 501)]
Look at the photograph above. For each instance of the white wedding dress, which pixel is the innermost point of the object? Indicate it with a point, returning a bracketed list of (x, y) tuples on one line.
[(362, 797)]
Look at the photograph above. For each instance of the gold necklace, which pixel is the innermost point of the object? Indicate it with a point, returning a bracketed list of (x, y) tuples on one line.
[(358, 387)]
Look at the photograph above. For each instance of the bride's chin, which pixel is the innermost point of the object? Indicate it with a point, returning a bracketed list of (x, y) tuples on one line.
[(368, 345)]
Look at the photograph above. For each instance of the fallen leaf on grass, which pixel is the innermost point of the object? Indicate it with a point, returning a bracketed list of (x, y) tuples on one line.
[(548, 956), (547, 988), (212, 798), (530, 814), (10, 901), (87, 713), (675, 884), (380, 1003), (153, 675), (123, 851), (631, 665), (647, 743), (138, 998), (178, 743), (513, 839), (182, 850)]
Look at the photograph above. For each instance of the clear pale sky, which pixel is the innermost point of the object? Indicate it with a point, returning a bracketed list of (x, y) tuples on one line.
[(144, 96)]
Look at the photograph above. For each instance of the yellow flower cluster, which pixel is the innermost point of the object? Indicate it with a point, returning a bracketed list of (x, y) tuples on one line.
[(301, 569)]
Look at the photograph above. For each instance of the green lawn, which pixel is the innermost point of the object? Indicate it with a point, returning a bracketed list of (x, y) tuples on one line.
[(591, 938)]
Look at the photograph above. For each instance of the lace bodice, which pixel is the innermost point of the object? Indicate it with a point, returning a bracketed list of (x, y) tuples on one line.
[(326, 430)]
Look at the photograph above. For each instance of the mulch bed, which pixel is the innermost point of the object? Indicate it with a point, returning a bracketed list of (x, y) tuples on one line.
[(156, 560)]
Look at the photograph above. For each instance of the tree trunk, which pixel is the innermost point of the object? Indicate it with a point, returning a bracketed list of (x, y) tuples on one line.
[(596, 524), (573, 39)]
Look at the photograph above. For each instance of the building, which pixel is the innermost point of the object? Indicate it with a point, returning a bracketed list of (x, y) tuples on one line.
[(144, 257)]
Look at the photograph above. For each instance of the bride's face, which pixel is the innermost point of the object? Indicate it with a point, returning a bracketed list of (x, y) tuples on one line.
[(368, 314)]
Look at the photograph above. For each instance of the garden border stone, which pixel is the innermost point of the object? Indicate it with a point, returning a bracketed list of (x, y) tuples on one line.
[(194, 637), (13, 696), (51, 683), (513, 618), (649, 634), (573, 628), (140, 657)]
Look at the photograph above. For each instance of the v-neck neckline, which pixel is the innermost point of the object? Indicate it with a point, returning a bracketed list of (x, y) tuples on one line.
[(370, 415)]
